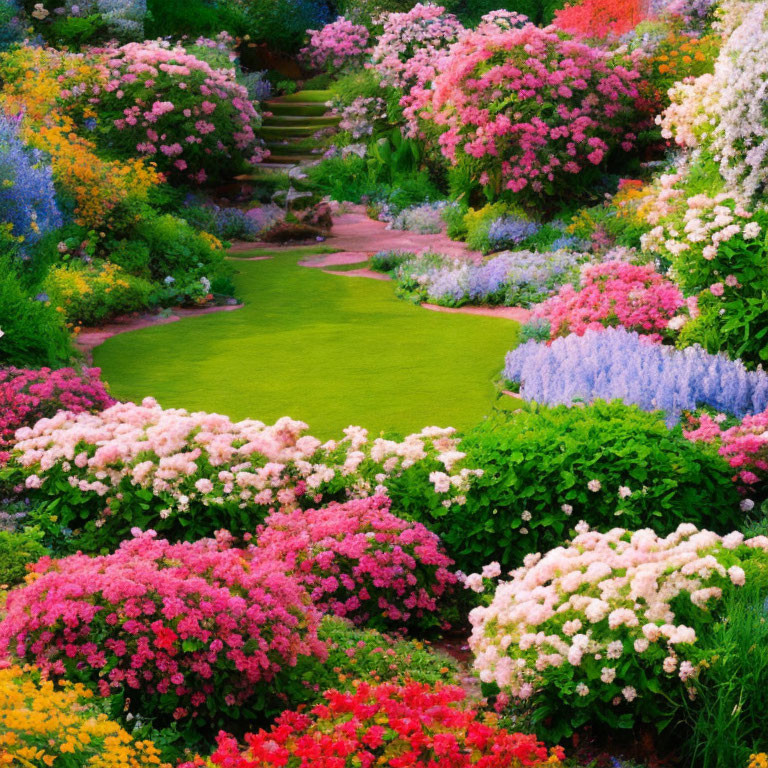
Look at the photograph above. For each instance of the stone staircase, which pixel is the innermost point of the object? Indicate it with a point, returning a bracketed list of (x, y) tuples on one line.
[(288, 132)]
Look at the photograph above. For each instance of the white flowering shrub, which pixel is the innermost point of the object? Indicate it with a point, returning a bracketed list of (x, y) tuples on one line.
[(606, 628)]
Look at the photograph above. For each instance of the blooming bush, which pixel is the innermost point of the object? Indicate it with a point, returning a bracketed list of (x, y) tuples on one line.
[(182, 629), (613, 293), (718, 112), (412, 725), (27, 395), (605, 463), (27, 197), (338, 44), (501, 20), (166, 104), (622, 364), (509, 231), (42, 724), (744, 446), (188, 475), (358, 560), (571, 105), (424, 219), (606, 628), (516, 278), (600, 18)]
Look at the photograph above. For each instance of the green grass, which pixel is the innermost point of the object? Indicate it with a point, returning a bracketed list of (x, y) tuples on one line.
[(327, 349)]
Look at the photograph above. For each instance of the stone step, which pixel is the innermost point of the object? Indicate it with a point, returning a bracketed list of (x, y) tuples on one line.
[(280, 131), (308, 108), (307, 96), (317, 120), (292, 159)]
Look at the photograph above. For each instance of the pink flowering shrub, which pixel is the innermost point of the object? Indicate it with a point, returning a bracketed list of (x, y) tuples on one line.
[(188, 475), (606, 628), (360, 561), (165, 104), (614, 293), (744, 446), (27, 395), (527, 112), (183, 630), (410, 50), (336, 45)]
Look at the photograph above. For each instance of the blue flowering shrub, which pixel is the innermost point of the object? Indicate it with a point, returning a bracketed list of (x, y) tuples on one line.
[(620, 364), (514, 278), (544, 469), (27, 195)]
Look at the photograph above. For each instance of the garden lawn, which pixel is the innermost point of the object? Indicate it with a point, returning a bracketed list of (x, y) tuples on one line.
[(330, 350)]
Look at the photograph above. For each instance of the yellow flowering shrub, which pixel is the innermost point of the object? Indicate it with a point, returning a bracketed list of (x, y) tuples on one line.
[(43, 726), (759, 760), (88, 295), (34, 80)]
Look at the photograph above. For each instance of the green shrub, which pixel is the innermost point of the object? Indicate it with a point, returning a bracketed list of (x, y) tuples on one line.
[(191, 17), (728, 717), (386, 261), (363, 654), (16, 551), (538, 464), (478, 222), (89, 294), (34, 333)]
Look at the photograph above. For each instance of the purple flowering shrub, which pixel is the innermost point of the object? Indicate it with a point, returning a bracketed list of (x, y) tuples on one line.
[(509, 231), (619, 364)]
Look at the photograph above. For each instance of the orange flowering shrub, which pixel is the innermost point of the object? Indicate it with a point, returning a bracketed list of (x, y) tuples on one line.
[(679, 56), (34, 82)]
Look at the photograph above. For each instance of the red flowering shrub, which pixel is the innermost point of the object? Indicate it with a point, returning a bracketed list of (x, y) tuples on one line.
[(600, 18), (412, 726), (27, 395), (181, 629), (613, 293), (744, 446), (525, 111), (360, 561)]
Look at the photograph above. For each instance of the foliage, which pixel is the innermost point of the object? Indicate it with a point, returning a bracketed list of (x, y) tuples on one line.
[(504, 128), (181, 630), (363, 654), (615, 293), (283, 25), (606, 463), (17, 550), (397, 726), (164, 103), (424, 219), (42, 724), (188, 475), (359, 561), (92, 294), (388, 261), (28, 395), (33, 331), (617, 363), (611, 629)]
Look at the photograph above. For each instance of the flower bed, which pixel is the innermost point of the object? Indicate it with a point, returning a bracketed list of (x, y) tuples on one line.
[(617, 363), (615, 293), (188, 475), (359, 561), (27, 395), (605, 629), (42, 724), (182, 629), (413, 725)]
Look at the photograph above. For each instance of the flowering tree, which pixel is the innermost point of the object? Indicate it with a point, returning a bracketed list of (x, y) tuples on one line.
[(605, 629), (338, 44), (525, 111)]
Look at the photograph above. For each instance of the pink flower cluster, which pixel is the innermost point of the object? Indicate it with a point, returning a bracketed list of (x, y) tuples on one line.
[(193, 120), (182, 628), (360, 561), (202, 461), (594, 621), (744, 446), (335, 45), (410, 51), (27, 395), (528, 110), (613, 293)]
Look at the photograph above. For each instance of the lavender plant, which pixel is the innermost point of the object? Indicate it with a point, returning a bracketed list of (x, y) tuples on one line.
[(27, 195), (509, 231), (619, 364)]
